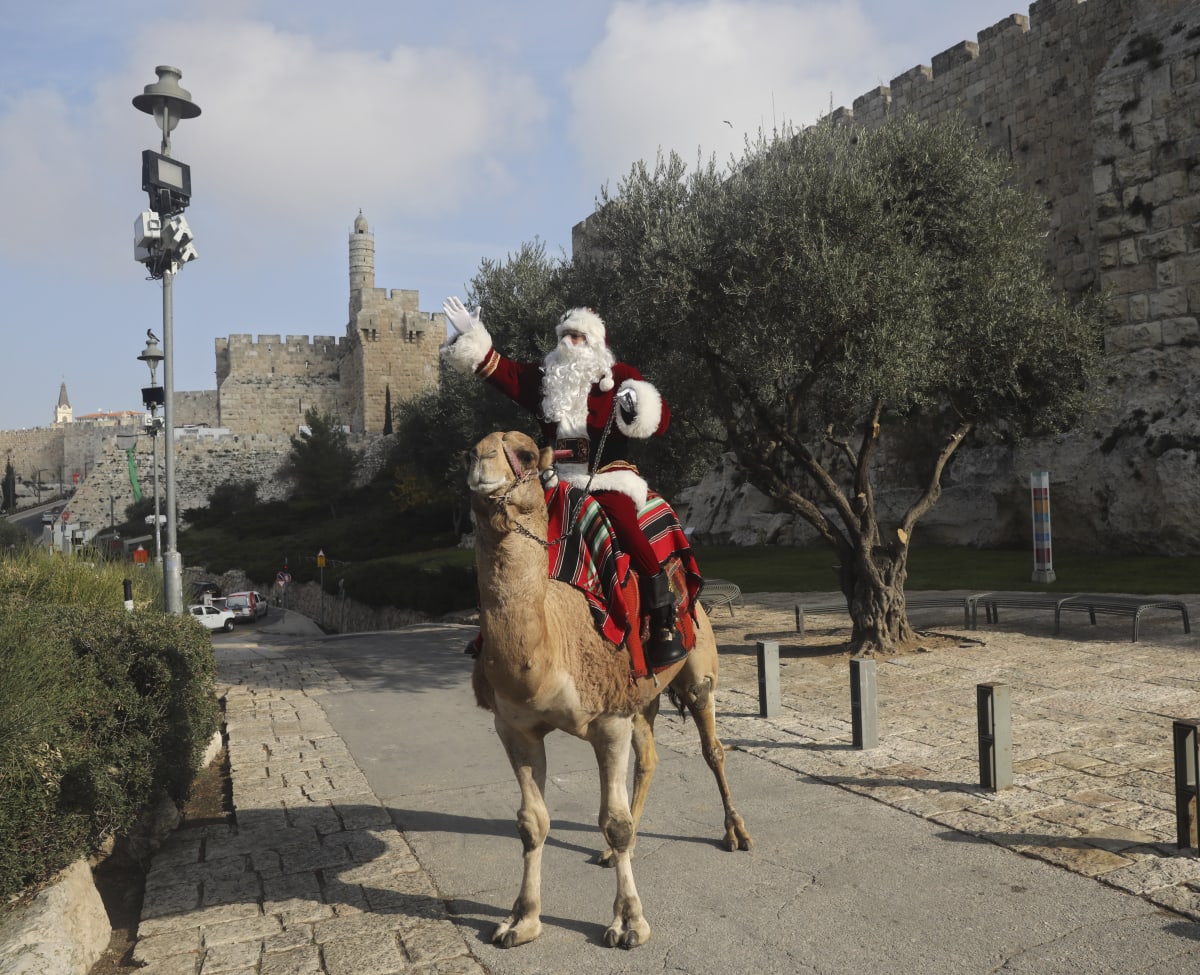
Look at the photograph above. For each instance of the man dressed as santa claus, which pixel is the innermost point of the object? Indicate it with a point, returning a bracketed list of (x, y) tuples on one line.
[(578, 392)]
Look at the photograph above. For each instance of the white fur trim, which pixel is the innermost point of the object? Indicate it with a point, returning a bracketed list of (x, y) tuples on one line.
[(466, 352), (648, 412), (584, 321), (625, 482)]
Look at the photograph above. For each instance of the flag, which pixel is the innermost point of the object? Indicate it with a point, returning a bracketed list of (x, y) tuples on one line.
[(133, 481)]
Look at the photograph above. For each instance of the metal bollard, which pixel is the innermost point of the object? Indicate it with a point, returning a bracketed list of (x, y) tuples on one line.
[(864, 705), (1187, 784), (769, 704), (994, 709)]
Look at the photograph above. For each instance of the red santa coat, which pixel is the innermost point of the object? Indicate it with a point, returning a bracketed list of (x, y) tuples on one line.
[(522, 382)]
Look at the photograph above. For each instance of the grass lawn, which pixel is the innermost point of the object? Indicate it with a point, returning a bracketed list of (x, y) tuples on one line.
[(779, 569)]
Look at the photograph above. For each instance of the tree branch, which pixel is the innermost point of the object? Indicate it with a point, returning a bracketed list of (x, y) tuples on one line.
[(933, 490)]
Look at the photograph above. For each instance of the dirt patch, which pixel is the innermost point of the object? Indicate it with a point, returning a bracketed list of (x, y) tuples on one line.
[(121, 878)]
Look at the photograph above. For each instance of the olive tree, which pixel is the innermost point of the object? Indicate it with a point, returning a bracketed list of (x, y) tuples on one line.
[(833, 295)]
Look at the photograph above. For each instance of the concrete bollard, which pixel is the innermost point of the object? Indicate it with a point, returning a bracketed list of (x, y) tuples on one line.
[(994, 710), (127, 586), (1187, 783), (769, 704), (864, 704)]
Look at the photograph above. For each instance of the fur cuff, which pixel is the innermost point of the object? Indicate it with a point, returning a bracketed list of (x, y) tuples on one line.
[(648, 414), (466, 353), (623, 481)]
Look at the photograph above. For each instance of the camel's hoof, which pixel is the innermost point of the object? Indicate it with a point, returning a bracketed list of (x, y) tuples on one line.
[(607, 859), (509, 935), (618, 936)]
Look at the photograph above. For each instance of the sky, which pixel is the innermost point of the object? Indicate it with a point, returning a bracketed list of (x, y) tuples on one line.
[(460, 129)]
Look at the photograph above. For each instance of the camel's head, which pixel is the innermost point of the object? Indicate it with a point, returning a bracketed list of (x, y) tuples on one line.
[(501, 462)]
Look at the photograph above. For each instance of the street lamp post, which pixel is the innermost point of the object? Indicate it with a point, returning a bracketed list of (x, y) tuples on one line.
[(163, 243), (153, 397)]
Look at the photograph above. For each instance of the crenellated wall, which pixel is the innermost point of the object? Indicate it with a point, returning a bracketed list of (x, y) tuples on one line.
[(1097, 104)]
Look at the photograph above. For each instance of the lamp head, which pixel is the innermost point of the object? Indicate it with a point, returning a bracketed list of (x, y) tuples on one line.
[(166, 101), (152, 355)]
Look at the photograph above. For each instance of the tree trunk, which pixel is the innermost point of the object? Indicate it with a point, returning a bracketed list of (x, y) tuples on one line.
[(874, 589)]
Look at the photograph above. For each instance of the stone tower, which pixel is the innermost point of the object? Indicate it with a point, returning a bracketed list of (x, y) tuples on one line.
[(63, 412), (390, 344)]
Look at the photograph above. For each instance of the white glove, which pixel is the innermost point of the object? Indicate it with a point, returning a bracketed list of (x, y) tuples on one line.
[(460, 319), (627, 400)]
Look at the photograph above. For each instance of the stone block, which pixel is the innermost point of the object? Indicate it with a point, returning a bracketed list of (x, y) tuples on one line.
[(1130, 338), (1168, 303), (1181, 331), (1166, 244)]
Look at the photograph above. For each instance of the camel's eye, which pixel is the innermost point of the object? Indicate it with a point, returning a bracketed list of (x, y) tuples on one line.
[(526, 457)]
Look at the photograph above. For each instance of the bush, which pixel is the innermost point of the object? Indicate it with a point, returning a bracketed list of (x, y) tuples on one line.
[(102, 712), (433, 591)]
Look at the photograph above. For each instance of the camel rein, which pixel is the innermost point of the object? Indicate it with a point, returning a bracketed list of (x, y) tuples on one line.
[(520, 476)]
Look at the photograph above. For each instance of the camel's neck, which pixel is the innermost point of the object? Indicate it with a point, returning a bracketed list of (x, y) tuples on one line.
[(512, 571)]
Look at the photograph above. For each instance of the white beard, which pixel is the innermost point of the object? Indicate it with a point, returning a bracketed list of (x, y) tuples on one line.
[(569, 371)]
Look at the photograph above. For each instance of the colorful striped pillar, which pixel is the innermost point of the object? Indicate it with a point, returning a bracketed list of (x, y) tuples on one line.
[(1039, 489)]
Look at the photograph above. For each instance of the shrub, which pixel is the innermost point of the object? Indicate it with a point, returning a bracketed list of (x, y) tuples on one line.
[(101, 713)]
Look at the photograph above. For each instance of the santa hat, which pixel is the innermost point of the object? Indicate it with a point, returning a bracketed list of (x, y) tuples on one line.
[(591, 326)]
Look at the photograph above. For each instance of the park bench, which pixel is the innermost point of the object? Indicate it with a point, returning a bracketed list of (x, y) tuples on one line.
[(719, 592), (993, 602), (1109, 605), (913, 600), (1105, 604)]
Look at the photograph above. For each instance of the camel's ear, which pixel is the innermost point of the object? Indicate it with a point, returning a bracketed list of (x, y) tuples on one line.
[(545, 459)]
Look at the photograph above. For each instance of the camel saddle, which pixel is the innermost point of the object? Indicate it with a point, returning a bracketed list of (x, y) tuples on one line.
[(583, 553)]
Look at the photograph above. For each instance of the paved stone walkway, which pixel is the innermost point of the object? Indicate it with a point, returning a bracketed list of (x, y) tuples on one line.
[(315, 879), (1092, 713)]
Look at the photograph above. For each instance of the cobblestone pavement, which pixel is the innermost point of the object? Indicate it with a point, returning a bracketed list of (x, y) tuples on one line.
[(1092, 740), (314, 878)]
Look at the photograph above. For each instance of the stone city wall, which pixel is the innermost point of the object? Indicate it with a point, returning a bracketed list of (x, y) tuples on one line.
[(1096, 103)]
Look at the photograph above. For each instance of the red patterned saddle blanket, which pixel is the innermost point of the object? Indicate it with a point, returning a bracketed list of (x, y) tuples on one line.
[(583, 553)]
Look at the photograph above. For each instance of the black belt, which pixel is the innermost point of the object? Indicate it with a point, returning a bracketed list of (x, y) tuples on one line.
[(573, 450)]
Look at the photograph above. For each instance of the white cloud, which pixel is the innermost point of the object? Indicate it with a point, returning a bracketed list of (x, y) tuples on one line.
[(670, 75), (292, 135)]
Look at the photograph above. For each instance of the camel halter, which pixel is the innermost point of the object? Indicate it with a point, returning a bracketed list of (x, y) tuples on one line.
[(520, 476)]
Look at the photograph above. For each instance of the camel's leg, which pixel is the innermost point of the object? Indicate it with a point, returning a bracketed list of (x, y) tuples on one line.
[(700, 703), (527, 753), (611, 737), (645, 761)]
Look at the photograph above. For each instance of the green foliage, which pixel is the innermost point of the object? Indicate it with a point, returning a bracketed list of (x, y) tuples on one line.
[(101, 712), (8, 488), (225, 501), (321, 461), (836, 292), (432, 590)]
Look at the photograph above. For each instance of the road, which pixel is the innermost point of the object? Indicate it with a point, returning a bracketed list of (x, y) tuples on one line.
[(836, 883)]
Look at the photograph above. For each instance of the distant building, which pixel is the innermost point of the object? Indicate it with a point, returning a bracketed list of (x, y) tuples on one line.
[(62, 412), (265, 384)]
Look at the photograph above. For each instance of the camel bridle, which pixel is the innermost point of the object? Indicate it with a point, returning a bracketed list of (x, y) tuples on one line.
[(521, 475)]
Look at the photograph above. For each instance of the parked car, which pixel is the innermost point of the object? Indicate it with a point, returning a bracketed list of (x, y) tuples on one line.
[(248, 605), (212, 617)]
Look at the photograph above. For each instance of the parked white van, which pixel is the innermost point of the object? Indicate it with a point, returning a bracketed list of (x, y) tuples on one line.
[(247, 606)]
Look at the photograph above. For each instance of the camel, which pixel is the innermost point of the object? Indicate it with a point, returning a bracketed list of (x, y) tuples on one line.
[(545, 667)]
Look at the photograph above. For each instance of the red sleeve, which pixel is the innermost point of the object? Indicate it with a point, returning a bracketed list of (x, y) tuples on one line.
[(519, 381)]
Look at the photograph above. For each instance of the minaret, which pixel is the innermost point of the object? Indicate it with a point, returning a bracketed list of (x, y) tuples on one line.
[(362, 263), (63, 412)]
